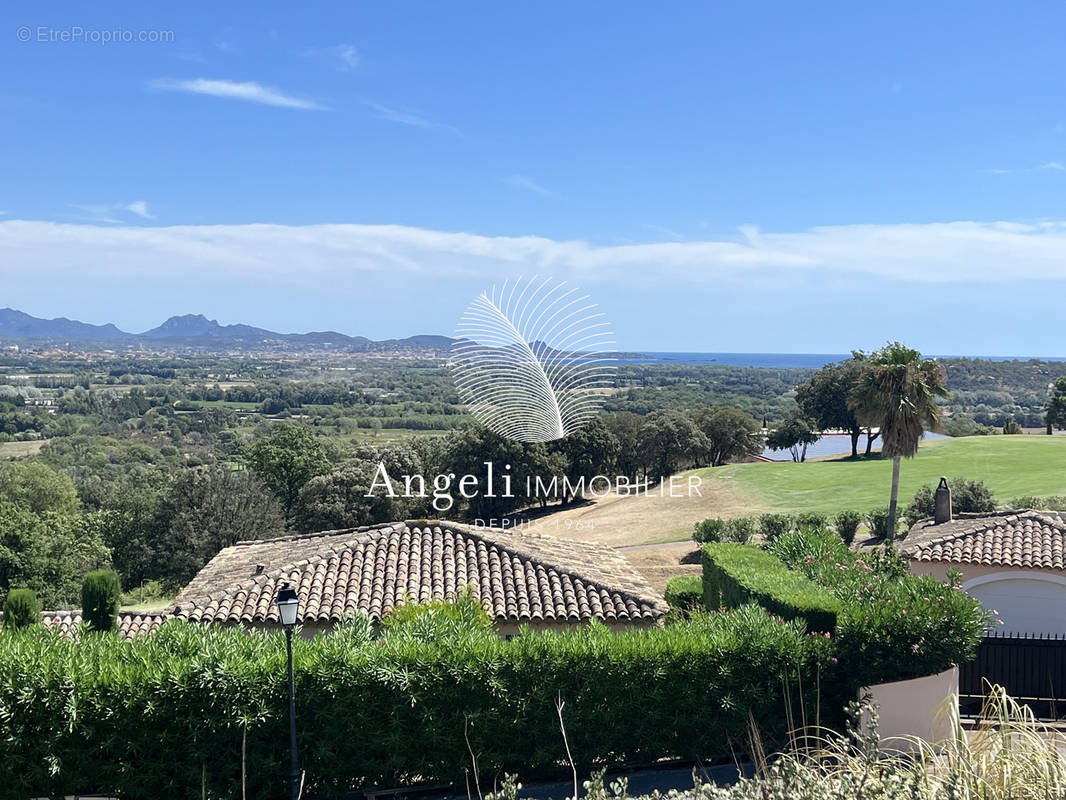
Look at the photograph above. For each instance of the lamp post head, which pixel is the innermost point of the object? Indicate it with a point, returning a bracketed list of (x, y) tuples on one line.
[(288, 604)]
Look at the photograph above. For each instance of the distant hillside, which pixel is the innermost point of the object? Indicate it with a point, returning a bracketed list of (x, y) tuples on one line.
[(18, 325), (199, 325), (198, 331)]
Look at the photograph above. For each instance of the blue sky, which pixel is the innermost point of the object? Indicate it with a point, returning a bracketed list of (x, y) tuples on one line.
[(720, 177)]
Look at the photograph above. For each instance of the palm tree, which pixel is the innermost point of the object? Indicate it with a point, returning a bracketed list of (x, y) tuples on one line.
[(897, 391)]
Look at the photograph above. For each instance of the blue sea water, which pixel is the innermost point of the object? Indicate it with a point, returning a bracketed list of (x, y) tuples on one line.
[(774, 360)]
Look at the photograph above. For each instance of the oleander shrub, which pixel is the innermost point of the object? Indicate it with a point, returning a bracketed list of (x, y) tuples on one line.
[(847, 525), (438, 620), (891, 625), (101, 596), (22, 609), (1052, 503), (168, 715), (736, 574), (684, 594), (773, 525), (708, 530)]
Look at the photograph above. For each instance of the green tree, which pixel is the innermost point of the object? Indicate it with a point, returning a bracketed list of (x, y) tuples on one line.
[(592, 450), (38, 487), (48, 552), (470, 451), (136, 530), (824, 400), (101, 594), (286, 460), (209, 509), (898, 392), (727, 433), (669, 440), (338, 499), (1055, 410), (625, 427), (795, 434)]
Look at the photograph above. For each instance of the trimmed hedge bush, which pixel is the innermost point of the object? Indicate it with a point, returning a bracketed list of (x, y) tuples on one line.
[(684, 594), (735, 574), (21, 609), (156, 716), (101, 595)]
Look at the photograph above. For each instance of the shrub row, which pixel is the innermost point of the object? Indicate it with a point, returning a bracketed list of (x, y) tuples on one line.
[(735, 574), (1052, 503), (771, 526), (167, 715)]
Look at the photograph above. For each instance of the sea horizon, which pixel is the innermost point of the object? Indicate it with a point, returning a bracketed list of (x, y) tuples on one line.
[(783, 360)]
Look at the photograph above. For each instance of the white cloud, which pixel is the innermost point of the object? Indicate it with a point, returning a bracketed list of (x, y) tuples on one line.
[(111, 213), (343, 255), (344, 56), (248, 91), (528, 184), (140, 208), (1052, 165), (404, 116)]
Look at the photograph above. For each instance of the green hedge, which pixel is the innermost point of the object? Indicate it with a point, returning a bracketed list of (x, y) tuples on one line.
[(156, 716), (735, 574), (684, 593)]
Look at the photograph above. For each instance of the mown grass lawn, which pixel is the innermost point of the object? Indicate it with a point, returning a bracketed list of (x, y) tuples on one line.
[(1011, 466)]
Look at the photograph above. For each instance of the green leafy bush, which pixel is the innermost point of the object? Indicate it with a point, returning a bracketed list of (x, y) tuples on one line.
[(1053, 503), (967, 496), (166, 715), (773, 525), (811, 521), (684, 594), (738, 529), (101, 595), (21, 609), (709, 530), (877, 520), (847, 525), (735, 574)]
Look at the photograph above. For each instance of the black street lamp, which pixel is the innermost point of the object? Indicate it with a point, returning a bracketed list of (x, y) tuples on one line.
[(288, 605)]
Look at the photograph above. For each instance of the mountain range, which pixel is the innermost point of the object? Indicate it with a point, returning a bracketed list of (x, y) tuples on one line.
[(197, 330)]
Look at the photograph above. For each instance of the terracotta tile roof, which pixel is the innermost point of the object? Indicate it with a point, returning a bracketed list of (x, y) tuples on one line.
[(518, 577), (1033, 539), (129, 623)]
